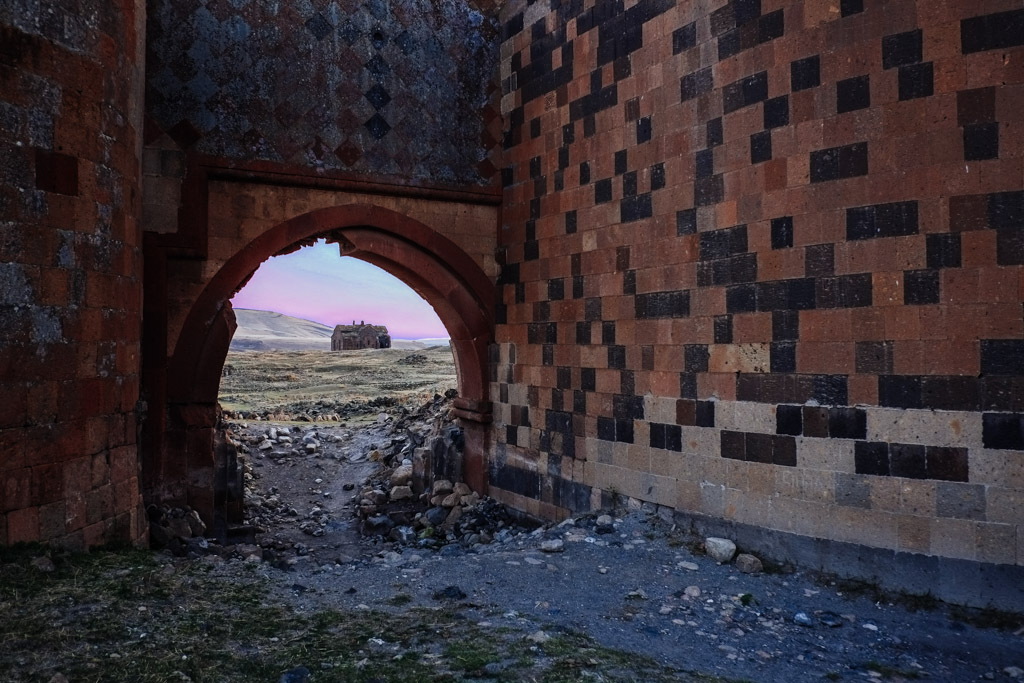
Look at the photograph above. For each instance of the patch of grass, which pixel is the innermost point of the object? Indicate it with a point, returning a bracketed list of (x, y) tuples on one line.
[(124, 616), (989, 617), (399, 599)]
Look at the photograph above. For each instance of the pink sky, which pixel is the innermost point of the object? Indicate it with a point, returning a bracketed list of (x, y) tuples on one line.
[(315, 283)]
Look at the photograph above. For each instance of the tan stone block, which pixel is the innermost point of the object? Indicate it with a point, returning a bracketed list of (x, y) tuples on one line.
[(787, 482), (866, 527), (688, 496), (729, 358), (736, 474), (915, 534), (996, 542), (1005, 505), (701, 440), (954, 538), (917, 497), (660, 409), (817, 486), (745, 416), (833, 455), (761, 479), (712, 470), (886, 494), (712, 499), (745, 507), (803, 517), (985, 466), (928, 427)]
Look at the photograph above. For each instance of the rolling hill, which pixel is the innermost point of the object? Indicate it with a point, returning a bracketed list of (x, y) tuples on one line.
[(270, 331)]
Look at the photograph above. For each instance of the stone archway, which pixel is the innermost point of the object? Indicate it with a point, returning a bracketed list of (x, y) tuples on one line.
[(179, 465)]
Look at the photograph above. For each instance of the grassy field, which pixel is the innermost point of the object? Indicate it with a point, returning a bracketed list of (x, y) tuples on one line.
[(265, 380)]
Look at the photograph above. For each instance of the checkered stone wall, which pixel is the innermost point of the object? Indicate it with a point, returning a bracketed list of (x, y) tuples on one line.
[(762, 263)]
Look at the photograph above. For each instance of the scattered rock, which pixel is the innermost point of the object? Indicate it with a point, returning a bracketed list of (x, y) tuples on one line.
[(692, 591), (402, 475), (299, 674), (400, 493), (538, 637), (719, 549), (554, 545), (378, 525), (802, 619), (44, 564), (1014, 672), (691, 566), (748, 564)]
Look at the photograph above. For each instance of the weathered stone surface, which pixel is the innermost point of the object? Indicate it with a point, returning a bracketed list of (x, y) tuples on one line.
[(719, 549), (748, 564)]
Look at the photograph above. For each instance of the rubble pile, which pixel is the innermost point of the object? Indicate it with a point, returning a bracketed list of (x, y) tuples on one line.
[(322, 410), (417, 499), (177, 529)]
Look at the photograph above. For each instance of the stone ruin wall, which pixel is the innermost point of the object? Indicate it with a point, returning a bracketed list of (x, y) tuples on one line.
[(762, 265), (70, 271)]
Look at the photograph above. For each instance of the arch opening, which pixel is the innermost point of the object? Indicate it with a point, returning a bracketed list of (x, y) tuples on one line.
[(183, 464)]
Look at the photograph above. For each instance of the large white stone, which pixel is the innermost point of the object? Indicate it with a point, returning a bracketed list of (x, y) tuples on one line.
[(719, 549)]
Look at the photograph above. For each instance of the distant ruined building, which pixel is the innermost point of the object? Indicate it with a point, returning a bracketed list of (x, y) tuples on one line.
[(361, 336)]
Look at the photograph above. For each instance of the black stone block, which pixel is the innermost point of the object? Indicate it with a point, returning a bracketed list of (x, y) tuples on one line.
[(592, 309), (624, 431), (628, 407), (981, 141), (771, 26), (584, 173), (1002, 357), (629, 184), (848, 7), (847, 423), (657, 435), (782, 356), (704, 415), (582, 333), (606, 429), (1003, 431), (674, 438), (629, 282), (947, 464), (899, 391), (723, 329), (901, 49), (588, 379), (853, 94), (617, 357), (805, 73), (635, 208), (871, 458), (759, 448), (704, 163), (920, 287), (916, 80), (908, 460), (882, 220), (733, 445), (621, 163), (789, 420), (785, 325), (695, 84), (657, 176), (577, 286), (784, 451), (943, 250), (707, 191), (608, 332), (830, 390), (741, 299), (761, 147), (873, 357), (695, 357), (782, 232), (684, 38), (686, 222), (556, 289), (992, 31), (715, 134), (776, 112), (819, 260), (603, 191)]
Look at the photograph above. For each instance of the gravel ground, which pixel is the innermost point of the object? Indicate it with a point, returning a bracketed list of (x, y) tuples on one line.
[(642, 586)]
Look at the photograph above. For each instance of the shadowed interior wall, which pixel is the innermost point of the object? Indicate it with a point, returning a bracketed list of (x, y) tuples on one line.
[(762, 263), (70, 271)]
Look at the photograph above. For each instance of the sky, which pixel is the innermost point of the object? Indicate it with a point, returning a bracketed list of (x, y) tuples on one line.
[(316, 283)]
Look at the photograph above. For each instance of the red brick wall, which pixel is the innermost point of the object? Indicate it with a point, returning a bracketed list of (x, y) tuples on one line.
[(763, 263), (70, 273)]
